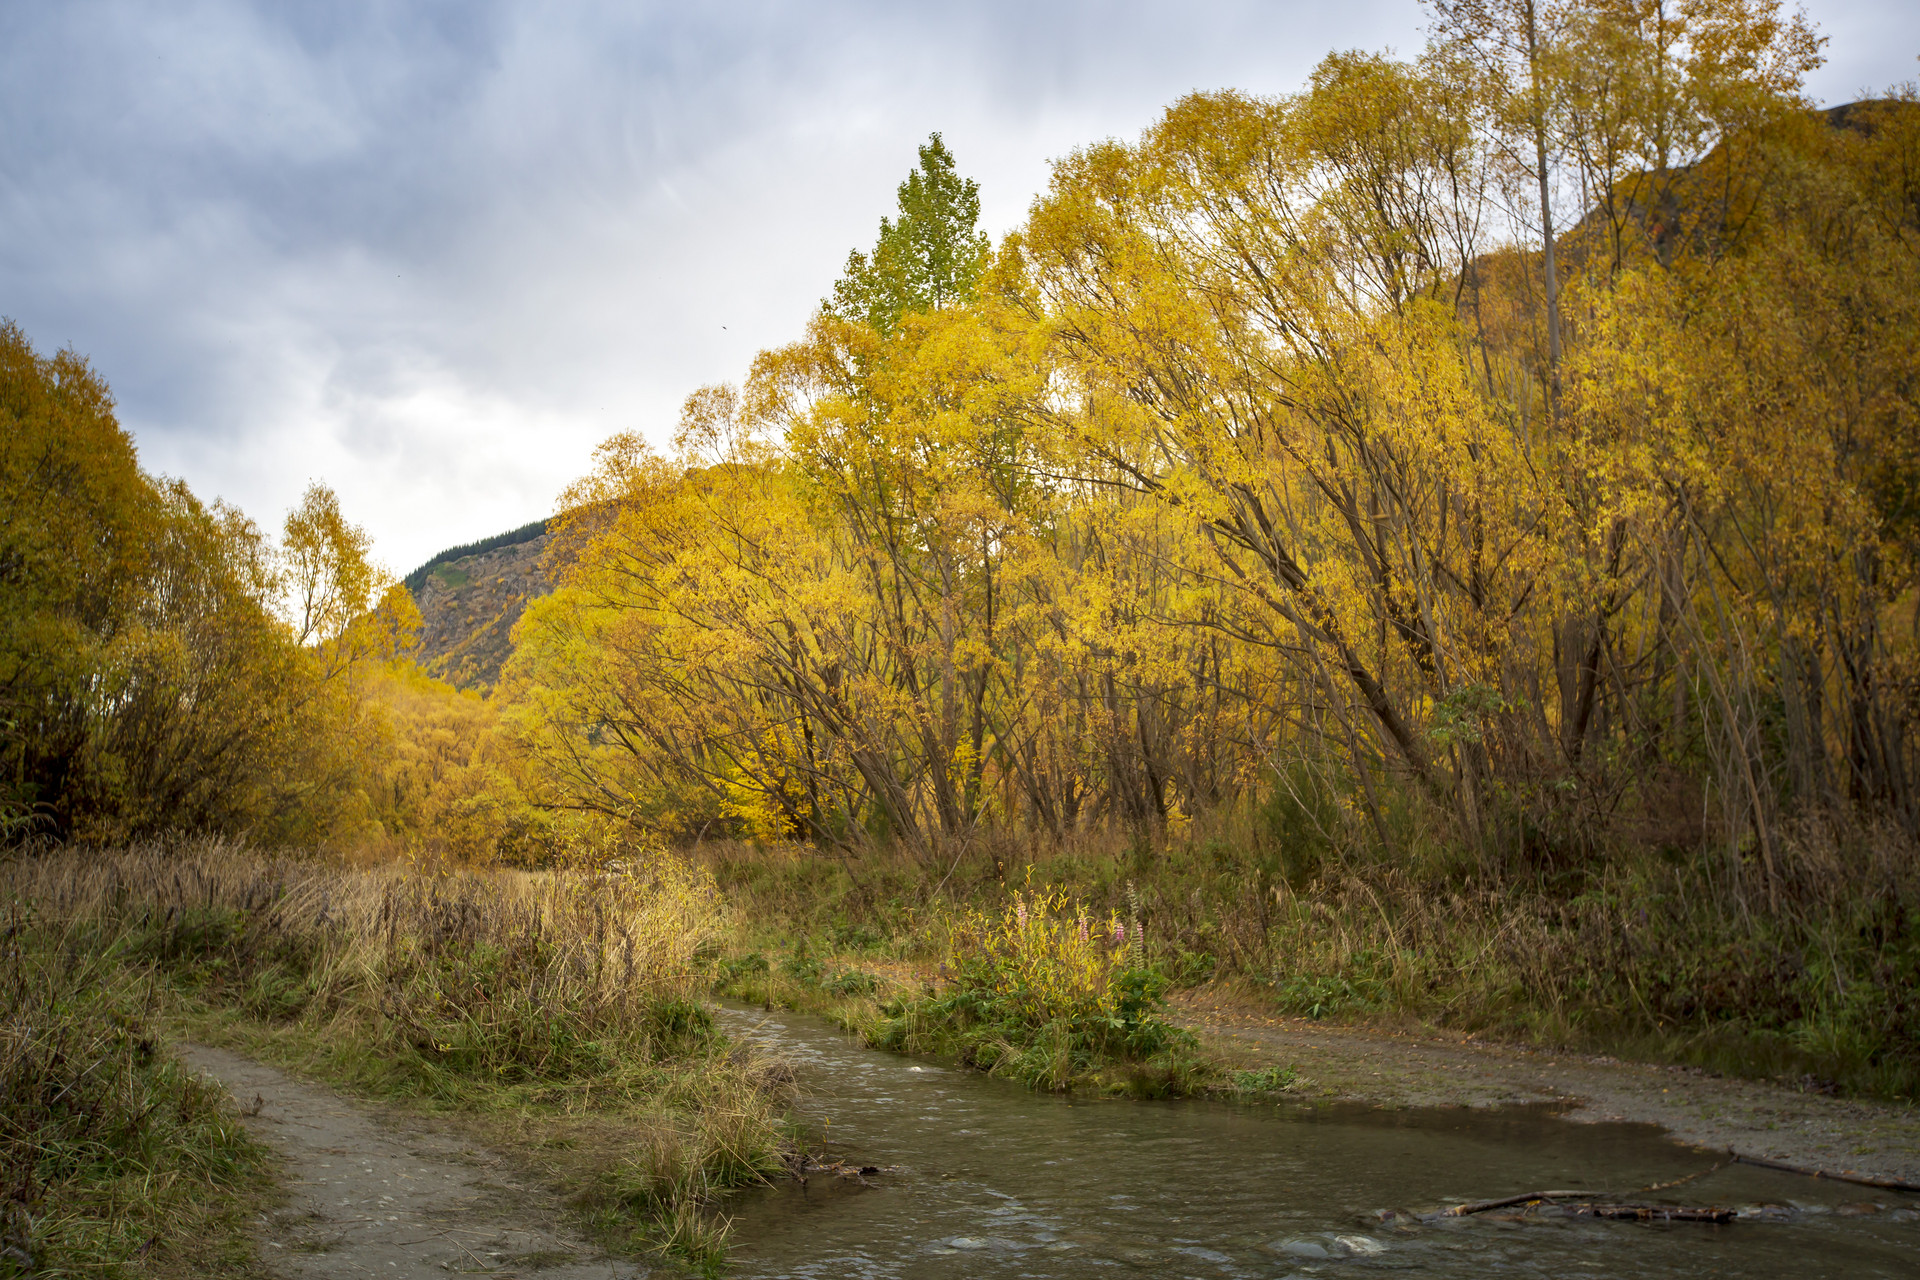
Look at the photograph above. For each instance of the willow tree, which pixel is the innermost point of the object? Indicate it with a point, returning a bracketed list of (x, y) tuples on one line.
[(148, 678)]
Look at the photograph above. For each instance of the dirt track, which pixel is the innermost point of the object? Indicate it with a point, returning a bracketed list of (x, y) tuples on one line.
[(370, 1196), (1713, 1112)]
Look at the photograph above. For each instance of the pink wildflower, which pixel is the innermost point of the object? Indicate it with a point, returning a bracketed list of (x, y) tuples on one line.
[(1119, 934)]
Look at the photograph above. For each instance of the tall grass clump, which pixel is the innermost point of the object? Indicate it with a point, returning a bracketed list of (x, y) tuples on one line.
[(1045, 992), (566, 996), (114, 1158)]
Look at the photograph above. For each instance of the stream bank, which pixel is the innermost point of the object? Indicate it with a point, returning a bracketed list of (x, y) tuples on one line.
[(965, 1177), (1417, 1066), (1401, 1069)]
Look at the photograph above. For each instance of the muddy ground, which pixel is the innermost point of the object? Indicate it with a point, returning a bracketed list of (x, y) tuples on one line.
[(373, 1194), (1713, 1112)]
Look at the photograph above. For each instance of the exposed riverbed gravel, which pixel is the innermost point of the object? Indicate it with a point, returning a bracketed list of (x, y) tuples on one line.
[(1715, 1113)]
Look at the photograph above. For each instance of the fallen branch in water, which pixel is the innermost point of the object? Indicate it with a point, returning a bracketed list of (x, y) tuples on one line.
[(1836, 1175), (1481, 1206), (1596, 1209), (1650, 1212)]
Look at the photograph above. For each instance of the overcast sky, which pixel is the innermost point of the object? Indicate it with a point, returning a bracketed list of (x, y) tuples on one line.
[(433, 253)]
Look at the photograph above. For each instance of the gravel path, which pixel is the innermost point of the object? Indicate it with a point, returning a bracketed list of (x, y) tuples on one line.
[(371, 1197), (1714, 1112)]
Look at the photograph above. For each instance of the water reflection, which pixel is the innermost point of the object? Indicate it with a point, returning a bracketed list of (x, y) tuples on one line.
[(993, 1180)]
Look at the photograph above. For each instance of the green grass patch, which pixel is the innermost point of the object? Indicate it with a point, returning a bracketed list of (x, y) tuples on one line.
[(116, 1160), (984, 1021), (1039, 992), (556, 1013)]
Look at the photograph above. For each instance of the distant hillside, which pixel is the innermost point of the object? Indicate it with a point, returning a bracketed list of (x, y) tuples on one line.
[(525, 533), (470, 596)]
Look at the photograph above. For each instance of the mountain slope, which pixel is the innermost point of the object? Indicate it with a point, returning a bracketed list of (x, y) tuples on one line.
[(470, 599)]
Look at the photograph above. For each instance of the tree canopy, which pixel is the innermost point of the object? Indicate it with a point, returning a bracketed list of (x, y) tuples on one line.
[(929, 255), (1308, 437)]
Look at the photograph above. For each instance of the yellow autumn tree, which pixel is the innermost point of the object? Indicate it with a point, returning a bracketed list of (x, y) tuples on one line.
[(1521, 433)]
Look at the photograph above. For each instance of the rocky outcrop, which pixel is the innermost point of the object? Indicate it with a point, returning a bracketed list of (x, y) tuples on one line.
[(468, 607)]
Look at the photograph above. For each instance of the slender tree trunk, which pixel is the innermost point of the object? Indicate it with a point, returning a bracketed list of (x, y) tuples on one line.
[(1548, 267)]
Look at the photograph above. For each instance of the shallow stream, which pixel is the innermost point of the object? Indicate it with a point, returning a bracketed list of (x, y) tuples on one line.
[(984, 1178)]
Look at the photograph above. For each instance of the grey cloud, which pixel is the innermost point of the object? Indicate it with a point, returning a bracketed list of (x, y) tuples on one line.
[(434, 252)]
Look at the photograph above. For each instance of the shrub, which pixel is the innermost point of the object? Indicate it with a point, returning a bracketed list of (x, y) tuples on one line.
[(1047, 994)]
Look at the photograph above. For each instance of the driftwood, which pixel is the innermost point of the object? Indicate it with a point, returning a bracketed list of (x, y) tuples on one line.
[(1530, 1197), (1650, 1212), (1601, 1208), (1835, 1175), (1597, 1209)]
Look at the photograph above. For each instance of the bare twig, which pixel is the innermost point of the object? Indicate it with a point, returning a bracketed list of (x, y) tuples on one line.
[(1662, 1186)]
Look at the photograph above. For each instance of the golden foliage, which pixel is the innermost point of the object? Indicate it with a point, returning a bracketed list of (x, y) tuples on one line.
[(163, 664), (1278, 438)]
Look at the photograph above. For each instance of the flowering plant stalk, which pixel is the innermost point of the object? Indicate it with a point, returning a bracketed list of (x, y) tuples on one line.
[(1041, 959), (1045, 991)]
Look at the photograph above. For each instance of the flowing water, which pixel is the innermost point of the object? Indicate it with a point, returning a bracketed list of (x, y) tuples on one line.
[(983, 1178)]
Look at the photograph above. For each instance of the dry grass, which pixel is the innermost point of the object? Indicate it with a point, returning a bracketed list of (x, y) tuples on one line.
[(1810, 974), (564, 998)]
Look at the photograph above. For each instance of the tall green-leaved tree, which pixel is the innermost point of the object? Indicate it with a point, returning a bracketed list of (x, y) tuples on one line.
[(928, 256)]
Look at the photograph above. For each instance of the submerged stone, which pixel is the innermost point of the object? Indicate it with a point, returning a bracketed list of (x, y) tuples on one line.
[(1300, 1248)]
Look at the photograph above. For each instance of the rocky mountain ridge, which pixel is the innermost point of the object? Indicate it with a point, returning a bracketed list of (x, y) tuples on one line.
[(468, 606)]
